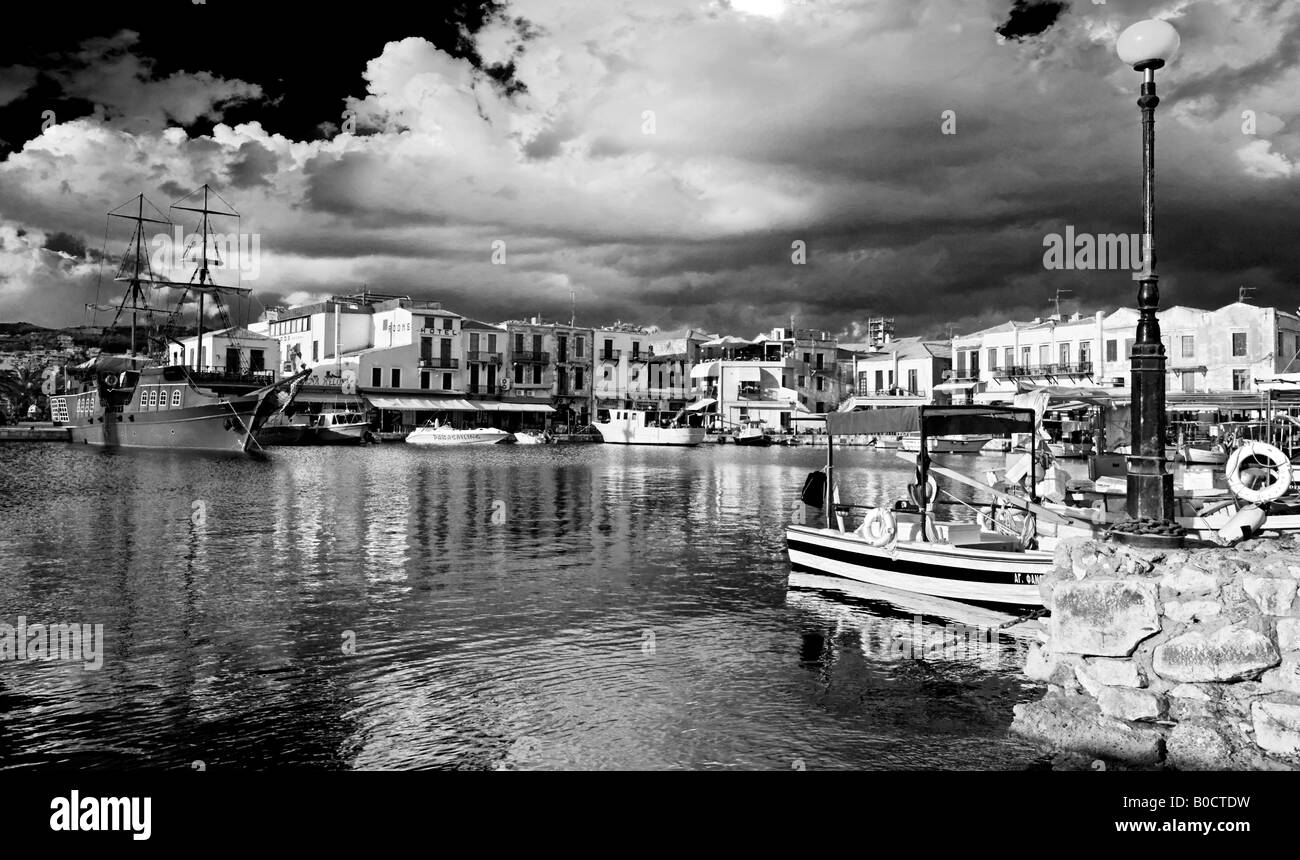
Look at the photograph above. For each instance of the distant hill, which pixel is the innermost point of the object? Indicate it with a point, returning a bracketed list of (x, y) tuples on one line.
[(20, 336)]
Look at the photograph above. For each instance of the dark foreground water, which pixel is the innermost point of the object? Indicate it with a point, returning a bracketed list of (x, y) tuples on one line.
[(583, 606)]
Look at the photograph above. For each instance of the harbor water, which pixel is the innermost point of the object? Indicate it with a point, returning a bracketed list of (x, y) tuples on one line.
[(480, 607)]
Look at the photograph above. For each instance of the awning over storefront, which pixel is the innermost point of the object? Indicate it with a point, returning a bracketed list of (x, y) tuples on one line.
[(955, 386), (412, 403), (701, 404), (493, 406), (703, 371)]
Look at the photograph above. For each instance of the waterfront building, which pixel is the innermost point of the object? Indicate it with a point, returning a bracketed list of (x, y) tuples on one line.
[(229, 351), (772, 378), (1223, 352), (550, 366), (621, 369), (909, 371)]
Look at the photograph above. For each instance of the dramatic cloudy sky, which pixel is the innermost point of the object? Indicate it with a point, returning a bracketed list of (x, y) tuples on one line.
[(659, 159)]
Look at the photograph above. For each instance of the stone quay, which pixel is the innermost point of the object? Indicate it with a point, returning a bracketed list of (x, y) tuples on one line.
[(1186, 659)]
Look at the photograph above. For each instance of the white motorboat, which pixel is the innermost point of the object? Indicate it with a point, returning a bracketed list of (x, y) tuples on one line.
[(348, 427), (529, 438), (643, 427), (950, 444), (992, 560), (437, 433)]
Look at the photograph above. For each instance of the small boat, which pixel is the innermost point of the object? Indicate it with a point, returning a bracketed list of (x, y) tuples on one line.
[(1199, 453), (644, 427), (994, 559), (281, 429), (752, 433), (950, 444), (437, 433), (528, 437), (346, 427)]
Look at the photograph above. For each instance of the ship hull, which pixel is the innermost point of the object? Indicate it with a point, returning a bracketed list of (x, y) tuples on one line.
[(213, 427)]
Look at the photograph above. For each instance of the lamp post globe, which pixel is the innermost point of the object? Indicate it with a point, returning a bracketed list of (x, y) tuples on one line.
[(1149, 42)]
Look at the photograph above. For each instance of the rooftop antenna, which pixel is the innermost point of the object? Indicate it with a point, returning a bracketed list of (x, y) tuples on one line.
[(1056, 300), (1243, 293), (573, 309)]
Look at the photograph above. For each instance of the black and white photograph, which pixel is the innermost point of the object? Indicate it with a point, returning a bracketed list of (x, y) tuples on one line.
[(870, 386)]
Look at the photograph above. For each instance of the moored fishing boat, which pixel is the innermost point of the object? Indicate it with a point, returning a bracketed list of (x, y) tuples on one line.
[(947, 444), (752, 433), (344, 427), (642, 427), (994, 559)]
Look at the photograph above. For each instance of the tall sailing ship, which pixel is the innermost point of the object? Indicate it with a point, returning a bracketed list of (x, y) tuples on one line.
[(138, 400)]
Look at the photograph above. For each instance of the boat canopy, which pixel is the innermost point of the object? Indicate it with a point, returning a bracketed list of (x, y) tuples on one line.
[(933, 420)]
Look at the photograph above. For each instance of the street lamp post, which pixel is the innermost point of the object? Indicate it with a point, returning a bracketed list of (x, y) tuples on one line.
[(1146, 46)]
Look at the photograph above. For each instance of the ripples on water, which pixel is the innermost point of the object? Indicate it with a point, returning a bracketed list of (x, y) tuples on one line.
[(632, 611)]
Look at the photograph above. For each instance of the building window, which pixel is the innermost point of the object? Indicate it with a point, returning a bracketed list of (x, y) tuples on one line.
[(537, 374), (605, 372), (519, 374), (448, 324), (377, 377), (473, 342), (1112, 350), (492, 343), (636, 373), (1189, 346), (1239, 344), (446, 382), (1065, 353), (424, 380), (1240, 378), (800, 382), (1085, 352), (819, 381), (1189, 382), (577, 377), (397, 377), (577, 349), (993, 359), (1009, 358), (1044, 354), (911, 384), (315, 351)]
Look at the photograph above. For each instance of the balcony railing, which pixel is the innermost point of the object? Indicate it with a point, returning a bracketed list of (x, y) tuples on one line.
[(640, 356), (610, 354), (864, 391), (530, 357), (963, 376), (1083, 368), (439, 361), (484, 357), (230, 376)]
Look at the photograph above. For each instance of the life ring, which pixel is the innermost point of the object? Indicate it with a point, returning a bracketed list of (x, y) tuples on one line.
[(110, 380), (879, 528), (1279, 465)]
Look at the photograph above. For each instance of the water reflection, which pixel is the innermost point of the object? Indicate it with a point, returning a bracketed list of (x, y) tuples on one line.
[(536, 607)]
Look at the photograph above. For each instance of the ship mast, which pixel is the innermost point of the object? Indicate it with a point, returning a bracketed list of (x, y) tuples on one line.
[(135, 292), (205, 283)]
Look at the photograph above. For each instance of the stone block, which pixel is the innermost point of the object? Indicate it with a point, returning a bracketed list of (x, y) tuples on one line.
[(1273, 596), (1228, 654), (1189, 579), (1126, 703), (1103, 617), (1191, 611), (1277, 727), (1076, 724), (1115, 673), (1199, 746)]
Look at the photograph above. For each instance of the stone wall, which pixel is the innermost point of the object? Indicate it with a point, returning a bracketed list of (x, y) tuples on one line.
[(1187, 659)]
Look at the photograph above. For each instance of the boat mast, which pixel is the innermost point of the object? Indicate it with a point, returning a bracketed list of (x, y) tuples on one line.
[(134, 292), (206, 284)]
